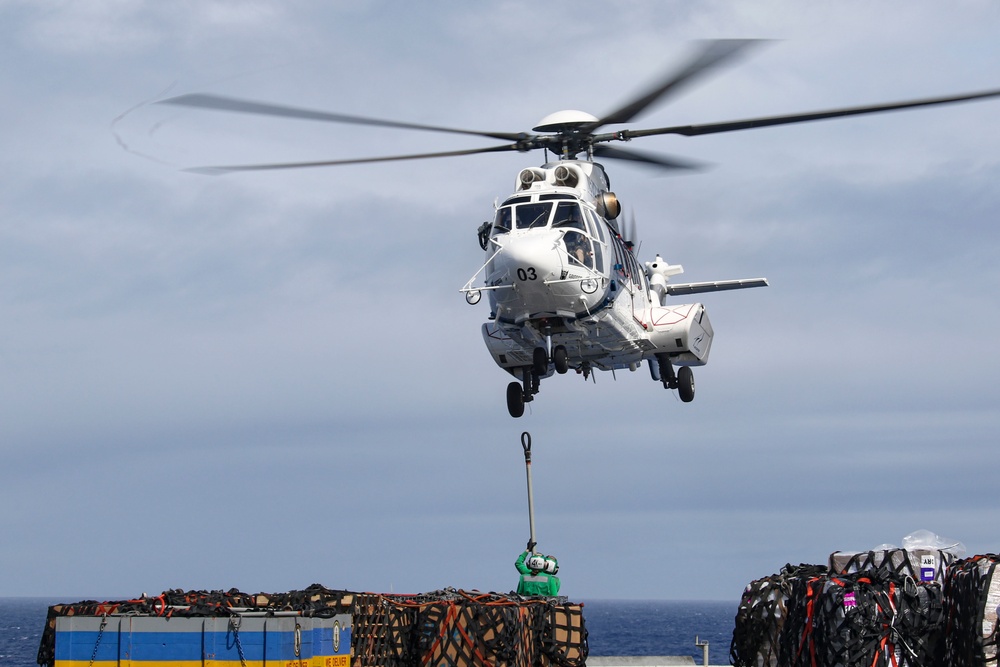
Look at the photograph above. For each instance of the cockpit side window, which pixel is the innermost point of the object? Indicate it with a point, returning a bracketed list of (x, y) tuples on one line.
[(529, 216), (581, 237), (501, 224), (579, 248), (597, 230), (596, 224)]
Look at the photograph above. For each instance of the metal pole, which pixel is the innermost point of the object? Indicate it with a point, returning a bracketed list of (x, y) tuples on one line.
[(704, 650), (526, 445)]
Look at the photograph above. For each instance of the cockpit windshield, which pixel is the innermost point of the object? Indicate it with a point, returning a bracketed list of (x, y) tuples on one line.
[(568, 215), (533, 215), (530, 216), (525, 216), (581, 234)]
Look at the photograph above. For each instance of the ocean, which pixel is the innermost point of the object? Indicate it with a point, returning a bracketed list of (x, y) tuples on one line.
[(660, 627), (616, 627)]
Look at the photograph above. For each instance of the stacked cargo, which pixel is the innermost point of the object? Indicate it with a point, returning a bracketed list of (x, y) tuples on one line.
[(972, 595), (902, 607), (762, 613), (317, 627)]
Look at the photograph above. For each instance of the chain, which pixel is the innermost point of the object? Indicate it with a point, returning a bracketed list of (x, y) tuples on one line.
[(234, 622), (100, 633)]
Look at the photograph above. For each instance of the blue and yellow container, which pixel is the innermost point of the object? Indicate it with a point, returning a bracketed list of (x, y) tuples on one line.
[(241, 640)]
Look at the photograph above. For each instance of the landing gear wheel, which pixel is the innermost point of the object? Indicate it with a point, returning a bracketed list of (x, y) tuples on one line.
[(685, 383), (560, 359), (540, 361), (515, 399)]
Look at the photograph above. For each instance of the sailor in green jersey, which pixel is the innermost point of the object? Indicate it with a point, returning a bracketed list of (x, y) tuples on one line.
[(537, 574)]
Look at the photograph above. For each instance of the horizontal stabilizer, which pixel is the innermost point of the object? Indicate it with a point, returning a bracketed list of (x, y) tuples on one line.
[(718, 286)]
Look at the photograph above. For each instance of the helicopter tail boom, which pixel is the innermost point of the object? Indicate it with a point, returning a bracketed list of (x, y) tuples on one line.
[(715, 286)]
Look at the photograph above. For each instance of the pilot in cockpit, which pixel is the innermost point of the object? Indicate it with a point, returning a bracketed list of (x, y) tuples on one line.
[(578, 247)]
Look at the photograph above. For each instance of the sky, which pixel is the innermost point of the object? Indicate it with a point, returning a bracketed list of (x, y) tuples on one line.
[(269, 380)]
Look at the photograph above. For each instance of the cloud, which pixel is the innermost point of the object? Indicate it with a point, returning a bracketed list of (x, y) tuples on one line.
[(193, 367), (121, 26)]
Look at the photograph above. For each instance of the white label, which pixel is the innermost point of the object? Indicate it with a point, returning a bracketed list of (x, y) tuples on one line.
[(928, 567)]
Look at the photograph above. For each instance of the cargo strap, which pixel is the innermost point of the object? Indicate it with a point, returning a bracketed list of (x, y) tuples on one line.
[(97, 643), (234, 623), (971, 594)]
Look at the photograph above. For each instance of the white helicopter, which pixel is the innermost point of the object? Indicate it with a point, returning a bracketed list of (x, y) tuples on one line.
[(565, 288), (566, 291)]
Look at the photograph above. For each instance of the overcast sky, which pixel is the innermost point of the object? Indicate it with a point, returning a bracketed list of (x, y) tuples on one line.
[(267, 380)]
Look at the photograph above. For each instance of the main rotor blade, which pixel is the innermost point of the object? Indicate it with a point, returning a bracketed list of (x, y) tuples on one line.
[(332, 163), (662, 162), (711, 54), (769, 121), (221, 103)]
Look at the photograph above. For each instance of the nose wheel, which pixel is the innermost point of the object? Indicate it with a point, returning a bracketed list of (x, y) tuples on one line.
[(560, 359), (540, 360)]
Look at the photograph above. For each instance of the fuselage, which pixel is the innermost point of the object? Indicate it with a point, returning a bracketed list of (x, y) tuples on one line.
[(559, 273)]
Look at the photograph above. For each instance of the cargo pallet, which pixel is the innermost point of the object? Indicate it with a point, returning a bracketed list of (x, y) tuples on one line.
[(316, 627)]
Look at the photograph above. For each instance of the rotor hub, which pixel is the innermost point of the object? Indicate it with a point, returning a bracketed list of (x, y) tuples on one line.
[(568, 120)]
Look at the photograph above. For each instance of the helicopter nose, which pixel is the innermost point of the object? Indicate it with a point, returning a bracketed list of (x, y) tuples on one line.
[(532, 259), (531, 265)]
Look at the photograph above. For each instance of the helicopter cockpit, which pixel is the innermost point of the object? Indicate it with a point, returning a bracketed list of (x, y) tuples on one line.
[(583, 235), (576, 236)]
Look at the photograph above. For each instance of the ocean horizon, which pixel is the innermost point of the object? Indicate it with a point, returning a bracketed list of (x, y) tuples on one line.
[(615, 627)]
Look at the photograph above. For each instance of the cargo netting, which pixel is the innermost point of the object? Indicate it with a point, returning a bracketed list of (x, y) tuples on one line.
[(876, 619), (446, 628), (872, 610), (904, 562), (972, 595), (761, 616)]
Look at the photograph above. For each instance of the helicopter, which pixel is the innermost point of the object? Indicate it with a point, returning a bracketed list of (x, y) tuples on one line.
[(567, 292), (565, 288)]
